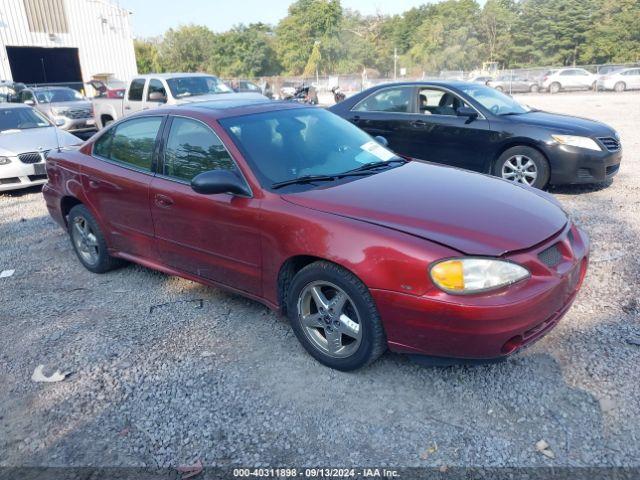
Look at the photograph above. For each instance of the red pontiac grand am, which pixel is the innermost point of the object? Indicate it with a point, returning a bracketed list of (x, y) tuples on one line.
[(298, 209)]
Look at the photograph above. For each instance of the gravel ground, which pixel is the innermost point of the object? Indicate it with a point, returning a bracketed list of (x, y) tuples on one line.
[(211, 376)]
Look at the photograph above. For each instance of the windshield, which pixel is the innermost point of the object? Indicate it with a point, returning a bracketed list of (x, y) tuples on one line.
[(194, 86), (58, 95), (21, 119), (289, 144), (494, 101)]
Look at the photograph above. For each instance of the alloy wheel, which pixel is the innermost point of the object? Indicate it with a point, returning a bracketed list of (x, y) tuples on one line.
[(330, 319), (520, 169), (85, 240)]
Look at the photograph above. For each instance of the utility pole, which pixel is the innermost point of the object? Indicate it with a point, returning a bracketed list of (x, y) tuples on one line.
[(395, 64)]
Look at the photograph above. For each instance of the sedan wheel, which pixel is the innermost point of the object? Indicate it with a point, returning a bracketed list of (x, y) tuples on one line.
[(520, 169), (88, 241), (522, 164), (85, 241), (330, 319), (620, 87), (334, 316)]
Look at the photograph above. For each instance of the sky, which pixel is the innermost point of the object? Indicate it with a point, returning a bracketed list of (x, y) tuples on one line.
[(150, 19)]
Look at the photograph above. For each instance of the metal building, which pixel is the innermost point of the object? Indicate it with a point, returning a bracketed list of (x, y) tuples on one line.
[(64, 41)]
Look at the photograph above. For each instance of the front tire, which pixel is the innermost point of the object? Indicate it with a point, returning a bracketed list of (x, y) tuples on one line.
[(334, 317), (522, 164), (89, 242), (534, 89), (620, 87)]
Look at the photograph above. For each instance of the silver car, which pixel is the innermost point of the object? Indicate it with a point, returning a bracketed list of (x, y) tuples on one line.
[(26, 137), (620, 80), (513, 84), (64, 106)]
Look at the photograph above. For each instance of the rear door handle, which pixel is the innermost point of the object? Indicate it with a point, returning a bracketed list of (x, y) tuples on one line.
[(418, 123), (163, 201), (355, 119)]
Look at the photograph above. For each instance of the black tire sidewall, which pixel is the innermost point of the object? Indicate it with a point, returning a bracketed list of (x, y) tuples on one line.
[(554, 87), (372, 333), (105, 261), (622, 84), (538, 158)]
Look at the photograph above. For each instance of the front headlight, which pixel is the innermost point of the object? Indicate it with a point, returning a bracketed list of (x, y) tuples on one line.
[(5, 160), (575, 141), (473, 275)]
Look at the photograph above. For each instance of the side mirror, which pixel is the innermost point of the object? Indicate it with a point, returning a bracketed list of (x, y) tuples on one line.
[(381, 140), (157, 97), (468, 112), (58, 122), (29, 102), (219, 181)]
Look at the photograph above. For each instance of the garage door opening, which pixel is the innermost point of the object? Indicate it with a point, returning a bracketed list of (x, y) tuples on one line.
[(44, 65)]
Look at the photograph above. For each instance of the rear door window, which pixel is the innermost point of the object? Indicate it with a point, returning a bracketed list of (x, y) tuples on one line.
[(130, 143), (135, 90), (395, 100)]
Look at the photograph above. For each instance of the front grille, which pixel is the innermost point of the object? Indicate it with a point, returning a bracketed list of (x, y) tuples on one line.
[(551, 256), (610, 143), (78, 113), (611, 169), (32, 157)]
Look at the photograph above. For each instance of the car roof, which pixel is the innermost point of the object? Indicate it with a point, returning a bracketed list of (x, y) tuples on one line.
[(172, 75), (218, 109), (37, 89)]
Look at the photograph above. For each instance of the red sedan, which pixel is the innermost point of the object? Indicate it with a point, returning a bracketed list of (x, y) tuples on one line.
[(296, 208)]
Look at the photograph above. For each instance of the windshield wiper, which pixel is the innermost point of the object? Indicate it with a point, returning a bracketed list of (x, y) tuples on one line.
[(304, 179), (374, 165)]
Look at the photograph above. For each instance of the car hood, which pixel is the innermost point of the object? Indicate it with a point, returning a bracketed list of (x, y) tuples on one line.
[(472, 213), (221, 96), (14, 142), (566, 124), (85, 105)]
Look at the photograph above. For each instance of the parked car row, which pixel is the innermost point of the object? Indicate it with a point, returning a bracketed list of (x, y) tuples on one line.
[(566, 79)]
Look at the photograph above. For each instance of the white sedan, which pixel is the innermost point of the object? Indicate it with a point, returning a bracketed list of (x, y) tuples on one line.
[(620, 80), (26, 137)]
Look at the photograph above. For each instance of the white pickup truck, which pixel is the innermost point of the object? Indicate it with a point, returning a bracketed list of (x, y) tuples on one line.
[(155, 90)]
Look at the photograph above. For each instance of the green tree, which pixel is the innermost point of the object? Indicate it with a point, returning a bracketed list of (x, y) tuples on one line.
[(186, 49), (616, 33), (309, 21), (244, 51), (447, 37), (146, 56), (551, 32), (495, 28)]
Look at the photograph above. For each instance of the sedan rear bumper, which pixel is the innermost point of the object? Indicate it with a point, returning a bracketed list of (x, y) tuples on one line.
[(482, 331)]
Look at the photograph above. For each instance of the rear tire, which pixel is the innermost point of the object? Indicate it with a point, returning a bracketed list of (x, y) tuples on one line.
[(89, 242), (334, 317), (620, 87), (522, 164), (534, 89), (554, 87)]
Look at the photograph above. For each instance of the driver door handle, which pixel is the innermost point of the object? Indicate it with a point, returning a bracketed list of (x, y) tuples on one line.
[(355, 119), (418, 123), (163, 201)]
